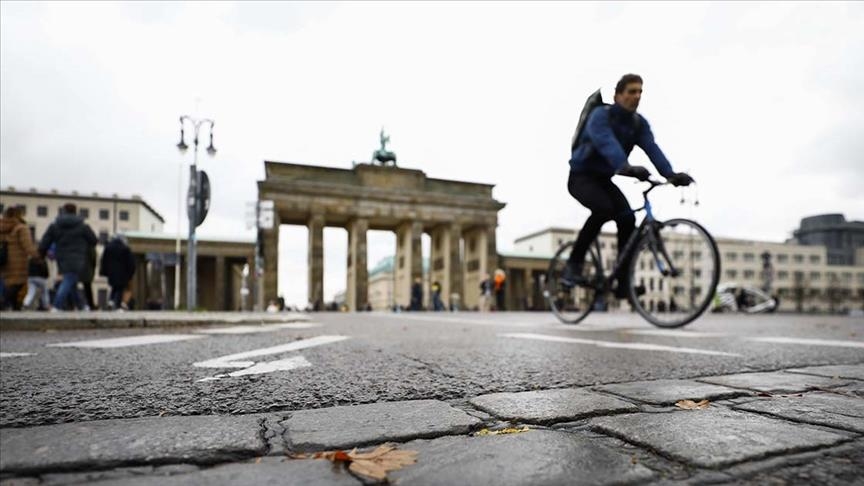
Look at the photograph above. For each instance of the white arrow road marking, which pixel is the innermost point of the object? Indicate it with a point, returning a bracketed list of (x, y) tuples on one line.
[(250, 329), (15, 355), (234, 360), (266, 367), (812, 342), (127, 341), (612, 344)]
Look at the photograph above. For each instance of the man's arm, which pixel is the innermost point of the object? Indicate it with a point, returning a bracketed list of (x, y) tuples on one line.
[(47, 240), (90, 236), (649, 146), (603, 138)]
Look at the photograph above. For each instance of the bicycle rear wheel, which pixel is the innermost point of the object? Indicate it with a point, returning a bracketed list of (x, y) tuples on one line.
[(571, 305), (678, 265)]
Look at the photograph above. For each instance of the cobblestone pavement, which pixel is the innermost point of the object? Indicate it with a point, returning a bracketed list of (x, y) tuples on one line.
[(797, 424)]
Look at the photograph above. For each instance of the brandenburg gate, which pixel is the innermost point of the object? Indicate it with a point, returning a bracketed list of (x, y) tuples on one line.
[(460, 217)]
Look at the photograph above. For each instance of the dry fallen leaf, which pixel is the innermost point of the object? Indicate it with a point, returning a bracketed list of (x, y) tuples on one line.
[(375, 464), (502, 431), (691, 405)]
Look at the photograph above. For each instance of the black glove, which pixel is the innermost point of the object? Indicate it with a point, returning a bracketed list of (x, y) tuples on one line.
[(636, 171), (680, 179)]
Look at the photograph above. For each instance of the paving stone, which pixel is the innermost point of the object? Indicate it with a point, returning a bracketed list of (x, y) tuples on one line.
[(775, 382), (841, 371), (715, 437), (111, 443), (818, 408), (535, 457), (662, 392), (348, 426), (547, 406), (269, 471)]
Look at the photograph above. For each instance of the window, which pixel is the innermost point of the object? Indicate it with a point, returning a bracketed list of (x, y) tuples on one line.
[(749, 273), (103, 214), (42, 211), (815, 275), (847, 277), (782, 258), (696, 255), (2, 207), (798, 258), (124, 216), (677, 255), (861, 278), (731, 256), (127, 217), (23, 208), (731, 273), (697, 272), (782, 275), (749, 257), (815, 259), (660, 285), (84, 213)]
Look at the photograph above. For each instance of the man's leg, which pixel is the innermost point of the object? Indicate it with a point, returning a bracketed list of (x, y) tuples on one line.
[(32, 288), (626, 222), (67, 286), (592, 192)]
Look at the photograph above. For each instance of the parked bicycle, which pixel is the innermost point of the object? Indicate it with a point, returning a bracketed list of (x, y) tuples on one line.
[(674, 270)]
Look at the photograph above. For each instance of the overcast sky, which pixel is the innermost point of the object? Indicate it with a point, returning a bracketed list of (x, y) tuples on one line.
[(760, 102)]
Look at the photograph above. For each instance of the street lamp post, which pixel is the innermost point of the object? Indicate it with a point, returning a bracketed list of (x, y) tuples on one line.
[(194, 210)]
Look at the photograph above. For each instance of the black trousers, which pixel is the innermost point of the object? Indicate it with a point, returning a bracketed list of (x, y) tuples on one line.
[(607, 203)]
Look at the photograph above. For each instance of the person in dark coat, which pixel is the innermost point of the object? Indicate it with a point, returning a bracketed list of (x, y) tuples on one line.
[(118, 265), (417, 295), (74, 240)]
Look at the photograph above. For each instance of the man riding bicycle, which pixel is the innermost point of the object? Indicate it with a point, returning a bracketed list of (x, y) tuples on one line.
[(600, 152)]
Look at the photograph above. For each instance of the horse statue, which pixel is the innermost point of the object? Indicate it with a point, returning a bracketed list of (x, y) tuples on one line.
[(382, 155)]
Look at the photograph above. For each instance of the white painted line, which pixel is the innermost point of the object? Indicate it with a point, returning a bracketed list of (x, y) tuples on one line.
[(235, 360), (809, 341), (266, 367), (16, 355), (675, 333), (127, 341), (251, 329), (461, 320), (612, 344)]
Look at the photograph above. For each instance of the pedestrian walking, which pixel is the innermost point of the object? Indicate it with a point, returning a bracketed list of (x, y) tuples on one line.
[(16, 247), (37, 284), (86, 279), (118, 265), (437, 305), (485, 293), (417, 295), (498, 286), (74, 240)]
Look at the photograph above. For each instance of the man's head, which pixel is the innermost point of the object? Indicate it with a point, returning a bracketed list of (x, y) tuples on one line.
[(70, 208), (628, 91)]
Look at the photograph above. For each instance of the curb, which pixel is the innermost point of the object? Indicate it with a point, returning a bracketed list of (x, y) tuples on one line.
[(44, 321)]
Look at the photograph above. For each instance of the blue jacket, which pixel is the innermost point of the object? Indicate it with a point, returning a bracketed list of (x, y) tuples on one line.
[(609, 137)]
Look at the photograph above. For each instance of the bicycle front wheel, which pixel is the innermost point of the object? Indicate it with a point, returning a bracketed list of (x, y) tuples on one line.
[(571, 305), (678, 266)]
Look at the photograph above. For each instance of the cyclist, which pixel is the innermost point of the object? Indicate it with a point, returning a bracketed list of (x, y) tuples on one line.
[(600, 153)]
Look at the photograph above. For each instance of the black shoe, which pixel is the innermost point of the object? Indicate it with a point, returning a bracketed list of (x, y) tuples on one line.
[(571, 277)]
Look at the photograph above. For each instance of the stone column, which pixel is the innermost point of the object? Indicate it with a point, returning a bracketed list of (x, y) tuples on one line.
[(481, 258), (446, 264), (316, 261), (270, 243), (409, 260), (357, 290), (219, 284)]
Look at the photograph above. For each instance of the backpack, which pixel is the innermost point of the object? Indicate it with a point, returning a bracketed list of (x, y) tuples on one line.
[(593, 101)]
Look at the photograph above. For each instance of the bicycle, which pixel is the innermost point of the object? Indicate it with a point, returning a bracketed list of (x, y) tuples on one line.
[(679, 255)]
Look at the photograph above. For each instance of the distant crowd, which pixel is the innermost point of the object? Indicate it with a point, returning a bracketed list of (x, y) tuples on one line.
[(57, 274)]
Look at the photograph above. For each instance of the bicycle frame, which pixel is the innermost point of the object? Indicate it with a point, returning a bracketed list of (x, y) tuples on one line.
[(648, 227)]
